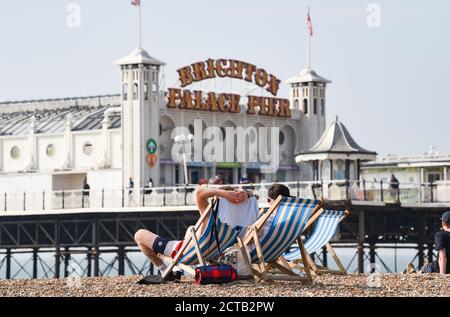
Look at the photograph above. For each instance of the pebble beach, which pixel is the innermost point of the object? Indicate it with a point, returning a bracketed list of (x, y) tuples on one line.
[(355, 285)]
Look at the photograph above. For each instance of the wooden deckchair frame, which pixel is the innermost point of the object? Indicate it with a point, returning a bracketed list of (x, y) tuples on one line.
[(261, 270), (317, 269), (191, 237)]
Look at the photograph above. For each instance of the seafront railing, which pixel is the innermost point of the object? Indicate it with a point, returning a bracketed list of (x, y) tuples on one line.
[(337, 190)]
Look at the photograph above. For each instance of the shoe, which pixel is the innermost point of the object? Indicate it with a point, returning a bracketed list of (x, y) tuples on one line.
[(158, 279)]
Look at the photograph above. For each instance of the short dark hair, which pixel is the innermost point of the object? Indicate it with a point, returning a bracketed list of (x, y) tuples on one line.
[(278, 190)]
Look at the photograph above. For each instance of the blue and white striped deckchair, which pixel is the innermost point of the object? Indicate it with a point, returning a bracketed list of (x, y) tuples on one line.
[(325, 229), (263, 253), (200, 245)]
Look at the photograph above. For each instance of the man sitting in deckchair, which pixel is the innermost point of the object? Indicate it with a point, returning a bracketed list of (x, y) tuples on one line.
[(274, 192), (272, 235), (152, 245)]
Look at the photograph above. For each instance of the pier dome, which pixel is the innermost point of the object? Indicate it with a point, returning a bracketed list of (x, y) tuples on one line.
[(336, 155)]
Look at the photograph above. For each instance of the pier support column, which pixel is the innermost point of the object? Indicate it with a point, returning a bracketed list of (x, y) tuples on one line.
[(420, 254), (66, 262), (421, 240), (35, 263), (97, 261), (430, 252), (372, 255), (57, 262), (8, 264), (89, 262), (96, 251), (361, 238), (121, 258)]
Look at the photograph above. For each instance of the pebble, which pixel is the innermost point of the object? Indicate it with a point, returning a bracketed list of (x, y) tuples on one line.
[(354, 285)]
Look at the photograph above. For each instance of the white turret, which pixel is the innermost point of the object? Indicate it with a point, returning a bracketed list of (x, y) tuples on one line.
[(140, 117), (308, 95)]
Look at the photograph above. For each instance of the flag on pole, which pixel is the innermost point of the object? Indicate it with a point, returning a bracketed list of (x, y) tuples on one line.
[(310, 26), (136, 2)]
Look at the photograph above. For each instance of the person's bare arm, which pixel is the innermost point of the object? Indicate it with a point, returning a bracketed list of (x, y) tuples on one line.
[(442, 261), (202, 195)]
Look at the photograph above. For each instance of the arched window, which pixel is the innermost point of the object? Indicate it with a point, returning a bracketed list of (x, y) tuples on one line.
[(352, 170), (146, 91), (325, 171), (315, 106), (296, 104), (322, 107), (135, 91), (339, 169), (305, 106), (125, 92)]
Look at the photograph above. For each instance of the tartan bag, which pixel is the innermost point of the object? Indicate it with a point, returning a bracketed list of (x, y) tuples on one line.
[(215, 274)]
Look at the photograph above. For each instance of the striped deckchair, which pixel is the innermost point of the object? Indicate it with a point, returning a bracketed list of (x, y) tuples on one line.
[(262, 255), (200, 244), (325, 229)]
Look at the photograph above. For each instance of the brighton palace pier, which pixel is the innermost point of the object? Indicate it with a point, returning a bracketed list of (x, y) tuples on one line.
[(50, 148), (54, 145)]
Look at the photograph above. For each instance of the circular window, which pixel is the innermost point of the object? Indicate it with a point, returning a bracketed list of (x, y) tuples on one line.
[(282, 138), (51, 150), (87, 148), (15, 153)]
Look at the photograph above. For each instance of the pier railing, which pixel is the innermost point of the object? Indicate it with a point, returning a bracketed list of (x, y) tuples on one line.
[(342, 190)]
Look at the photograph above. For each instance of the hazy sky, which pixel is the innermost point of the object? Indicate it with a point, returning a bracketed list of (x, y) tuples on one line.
[(391, 84)]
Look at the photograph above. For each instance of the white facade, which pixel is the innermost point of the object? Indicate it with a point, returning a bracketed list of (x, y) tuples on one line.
[(409, 170), (54, 145)]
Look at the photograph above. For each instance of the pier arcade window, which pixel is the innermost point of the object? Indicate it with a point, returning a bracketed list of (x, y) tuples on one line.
[(282, 138), (315, 106), (325, 171), (125, 92), (322, 107), (305, 106), (191, 129), (135, 91), (339, 170), (146, 91), (296, 103), (15, 153)]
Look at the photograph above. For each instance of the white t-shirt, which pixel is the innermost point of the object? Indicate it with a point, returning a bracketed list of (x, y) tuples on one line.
[(266, 226), (242, 215)]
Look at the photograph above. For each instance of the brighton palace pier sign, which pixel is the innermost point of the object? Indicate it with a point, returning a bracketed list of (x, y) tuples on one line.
[(179, 98)]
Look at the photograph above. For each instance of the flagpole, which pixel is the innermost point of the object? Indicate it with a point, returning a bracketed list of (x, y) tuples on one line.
[(308, 44), (140, 25)]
